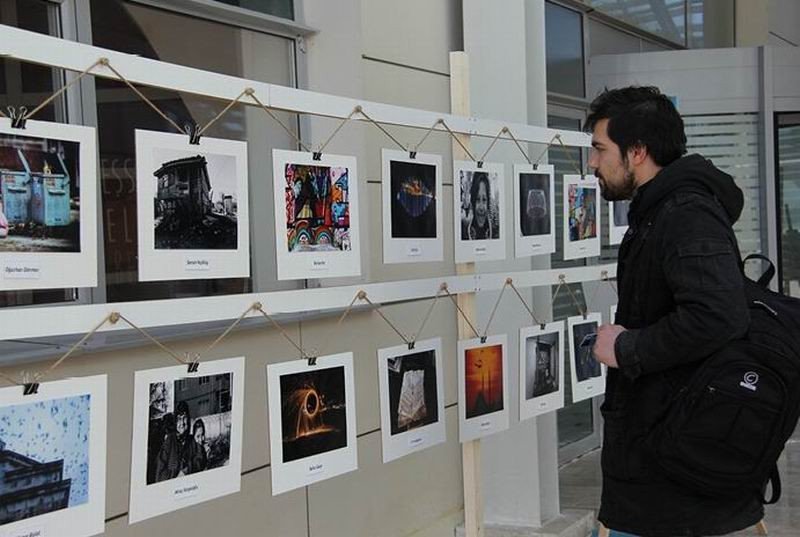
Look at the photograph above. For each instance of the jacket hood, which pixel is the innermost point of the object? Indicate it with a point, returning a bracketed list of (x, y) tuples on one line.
[(692, 173)]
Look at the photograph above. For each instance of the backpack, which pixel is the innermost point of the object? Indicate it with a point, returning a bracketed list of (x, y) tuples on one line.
[(726, 428)]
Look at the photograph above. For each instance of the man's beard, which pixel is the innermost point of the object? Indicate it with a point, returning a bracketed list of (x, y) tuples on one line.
[(621, 191)]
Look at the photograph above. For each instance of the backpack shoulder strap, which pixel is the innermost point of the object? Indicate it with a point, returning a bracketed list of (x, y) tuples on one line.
[(775, 479)]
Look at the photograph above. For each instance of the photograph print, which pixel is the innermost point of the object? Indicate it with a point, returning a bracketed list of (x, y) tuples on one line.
[(53, 465), (480, 216), (412, 207), (193, 207), (187, 436), (618, 220), (189, 429), (47, 206), (534, 210), (588, 374), (581, 217), (311, 420), (483, 387), (316, 215), (411, 391), (541, 367)]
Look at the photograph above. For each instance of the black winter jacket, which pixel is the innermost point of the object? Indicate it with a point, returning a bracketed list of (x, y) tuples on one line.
[(681, 298)]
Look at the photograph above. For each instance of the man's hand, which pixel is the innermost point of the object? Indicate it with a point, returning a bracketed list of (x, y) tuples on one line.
[(604, 344)]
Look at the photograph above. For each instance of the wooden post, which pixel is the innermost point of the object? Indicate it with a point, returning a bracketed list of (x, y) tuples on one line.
[(470, 451)]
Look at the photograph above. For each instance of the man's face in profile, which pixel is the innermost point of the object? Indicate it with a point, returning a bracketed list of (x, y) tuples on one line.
[(617, 181)]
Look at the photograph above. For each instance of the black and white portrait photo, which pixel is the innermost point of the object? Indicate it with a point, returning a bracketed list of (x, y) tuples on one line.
[(190, 426), (479, 202), (187, 436)]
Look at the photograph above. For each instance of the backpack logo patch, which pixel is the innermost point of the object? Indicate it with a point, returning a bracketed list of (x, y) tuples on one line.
[(750, 381)]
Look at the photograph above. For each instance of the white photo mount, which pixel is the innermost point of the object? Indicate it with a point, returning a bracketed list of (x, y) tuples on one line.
[(87, 518), (485, 423), (412, 440), (471, 250), (542, 201), (616, 233), (158, 498), (584, 384), (412, 249), (576, 247), (305, 470), (530, 404), (153, 149), (298, 265), (57, 270)]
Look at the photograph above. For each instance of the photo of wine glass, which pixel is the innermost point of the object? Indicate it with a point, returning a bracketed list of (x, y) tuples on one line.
[(534, 202)]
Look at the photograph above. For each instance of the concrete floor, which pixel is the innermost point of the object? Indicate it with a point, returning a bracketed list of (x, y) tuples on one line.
[(580, 483)]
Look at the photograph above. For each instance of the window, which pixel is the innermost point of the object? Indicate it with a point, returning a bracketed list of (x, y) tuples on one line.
[(564, 51), (731, 142), (665, 18), (711, 23), (151, 33), (278, 8)]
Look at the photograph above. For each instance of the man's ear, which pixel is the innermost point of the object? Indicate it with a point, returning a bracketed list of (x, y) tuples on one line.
[(637, 154)]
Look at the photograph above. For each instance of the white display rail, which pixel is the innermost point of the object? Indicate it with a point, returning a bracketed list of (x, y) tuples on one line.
[(62, 320), (55, 52)]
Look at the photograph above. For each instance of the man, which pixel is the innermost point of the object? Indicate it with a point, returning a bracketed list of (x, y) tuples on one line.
[(681, 298)]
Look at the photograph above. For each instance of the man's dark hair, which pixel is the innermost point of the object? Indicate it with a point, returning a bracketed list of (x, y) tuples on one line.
[(640, 116)]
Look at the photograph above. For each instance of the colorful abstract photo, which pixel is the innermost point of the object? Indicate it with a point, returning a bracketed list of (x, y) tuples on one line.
[(317, 208), (582, 213)]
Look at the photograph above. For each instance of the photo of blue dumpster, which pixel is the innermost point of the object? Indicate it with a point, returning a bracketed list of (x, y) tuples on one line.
[(39, 194), (50, 199), (16, 192)]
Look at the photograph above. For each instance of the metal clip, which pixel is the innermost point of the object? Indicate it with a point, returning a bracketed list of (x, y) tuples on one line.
[(483, 340), (317, 155), (31, 388), (312, 361), (412, 155), (193, 364), (194, 133), (18, 117), (480, 164), (411, 345)]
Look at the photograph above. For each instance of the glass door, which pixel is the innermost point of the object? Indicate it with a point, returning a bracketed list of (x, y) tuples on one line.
[(788, 177)]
